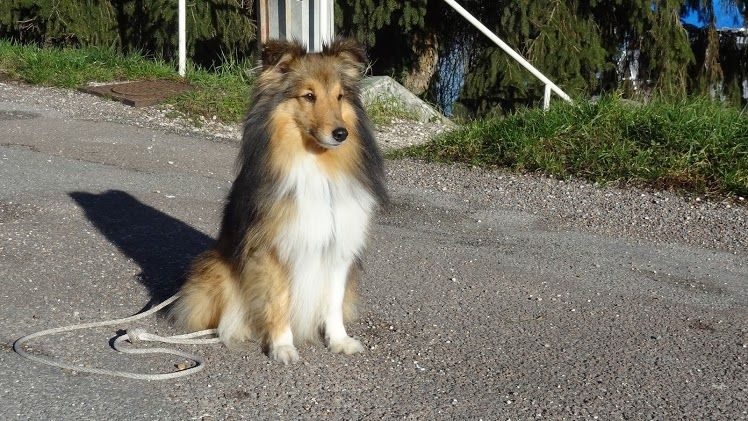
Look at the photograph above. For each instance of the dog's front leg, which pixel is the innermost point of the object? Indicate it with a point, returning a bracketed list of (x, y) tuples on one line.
[(282, 348), (280, 336), (266, 293), (336, 336)]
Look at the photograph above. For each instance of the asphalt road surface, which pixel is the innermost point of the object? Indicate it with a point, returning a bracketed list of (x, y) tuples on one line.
[(472, 309)]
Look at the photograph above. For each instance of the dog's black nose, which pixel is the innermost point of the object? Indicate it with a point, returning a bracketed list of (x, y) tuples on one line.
[(340, 134)]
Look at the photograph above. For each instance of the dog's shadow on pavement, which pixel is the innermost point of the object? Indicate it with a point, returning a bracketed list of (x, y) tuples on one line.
[(161, 245)]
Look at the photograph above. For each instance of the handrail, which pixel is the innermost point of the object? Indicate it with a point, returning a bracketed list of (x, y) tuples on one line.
[(549, 86)]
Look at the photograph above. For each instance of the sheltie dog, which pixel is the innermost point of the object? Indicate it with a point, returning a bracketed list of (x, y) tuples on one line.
[(286, 262)]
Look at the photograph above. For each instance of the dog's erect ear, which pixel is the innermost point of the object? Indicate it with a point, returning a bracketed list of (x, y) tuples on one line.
[(279, 54), (351, 52)]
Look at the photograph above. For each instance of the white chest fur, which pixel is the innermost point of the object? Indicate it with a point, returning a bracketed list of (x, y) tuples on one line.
[(322, 239), (331, 216)]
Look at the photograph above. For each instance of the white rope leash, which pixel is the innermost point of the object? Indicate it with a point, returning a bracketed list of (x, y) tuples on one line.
[(133, 336)]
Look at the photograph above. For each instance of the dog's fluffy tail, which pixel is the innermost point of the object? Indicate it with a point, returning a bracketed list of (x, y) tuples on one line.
[(209, 299)]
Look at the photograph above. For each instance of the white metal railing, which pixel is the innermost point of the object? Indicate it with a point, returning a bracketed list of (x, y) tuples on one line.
[(549, 86)]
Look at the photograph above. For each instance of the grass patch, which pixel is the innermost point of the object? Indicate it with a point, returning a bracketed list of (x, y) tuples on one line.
[(695, 145), (223, 93), (73, 67), (385, 108)]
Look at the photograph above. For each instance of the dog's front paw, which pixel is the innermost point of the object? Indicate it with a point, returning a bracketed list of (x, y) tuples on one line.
[(345, 345), (285, 354)]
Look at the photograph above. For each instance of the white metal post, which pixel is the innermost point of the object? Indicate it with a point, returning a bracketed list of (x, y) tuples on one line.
[(307, 17), (315, 14), (326, 21), (547, 98), (182, 37), (521, 60)]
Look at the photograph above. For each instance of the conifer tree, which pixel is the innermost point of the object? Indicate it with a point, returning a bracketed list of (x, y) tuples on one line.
[(577, 44), (666, 48), (395, 32), (709, 72), (217, 29), (560, 38)]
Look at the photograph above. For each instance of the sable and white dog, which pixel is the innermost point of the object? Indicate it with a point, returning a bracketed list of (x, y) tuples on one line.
[(286, 261)]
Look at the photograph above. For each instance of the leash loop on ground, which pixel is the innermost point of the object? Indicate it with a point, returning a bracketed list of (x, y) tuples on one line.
[(133, 336)]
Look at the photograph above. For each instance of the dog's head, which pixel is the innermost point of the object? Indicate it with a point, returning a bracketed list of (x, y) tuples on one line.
[(320, 89)]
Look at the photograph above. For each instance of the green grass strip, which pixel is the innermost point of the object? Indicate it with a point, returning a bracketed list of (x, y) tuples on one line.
[(223, 93), (73, 67), (695, 145)]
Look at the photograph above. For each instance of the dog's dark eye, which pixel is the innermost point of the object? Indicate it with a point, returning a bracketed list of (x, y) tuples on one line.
[(310, 97), (340, 97)]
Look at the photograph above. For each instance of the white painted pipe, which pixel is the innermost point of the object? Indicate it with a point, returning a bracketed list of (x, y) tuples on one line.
[(326, 11), (521, 60), (182, 37), (307, 17)]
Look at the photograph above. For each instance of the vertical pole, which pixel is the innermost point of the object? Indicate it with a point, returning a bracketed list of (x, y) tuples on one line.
[(182, 37), (315, 17), (307, 17), (326, 21), (547, 98), (262, 10)]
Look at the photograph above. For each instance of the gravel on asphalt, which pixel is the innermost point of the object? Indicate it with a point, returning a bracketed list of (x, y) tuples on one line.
[(487, 293)]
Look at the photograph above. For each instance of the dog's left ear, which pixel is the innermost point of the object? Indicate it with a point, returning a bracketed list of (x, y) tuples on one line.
[(351, 53)]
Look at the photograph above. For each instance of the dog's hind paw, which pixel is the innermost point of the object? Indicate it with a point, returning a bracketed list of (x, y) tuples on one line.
[(285, 354), (345, 345)]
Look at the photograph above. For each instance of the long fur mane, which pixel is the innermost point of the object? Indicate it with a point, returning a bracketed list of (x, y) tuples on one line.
[(274, 86)]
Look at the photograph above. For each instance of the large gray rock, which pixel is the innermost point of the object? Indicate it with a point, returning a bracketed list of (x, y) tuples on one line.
[(384, 87)]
